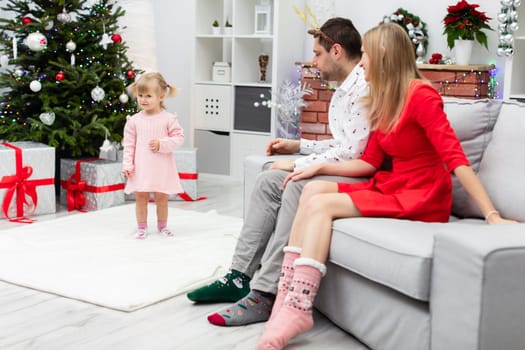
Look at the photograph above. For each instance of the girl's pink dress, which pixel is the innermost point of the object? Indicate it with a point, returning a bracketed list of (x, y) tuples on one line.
[(152, 171)]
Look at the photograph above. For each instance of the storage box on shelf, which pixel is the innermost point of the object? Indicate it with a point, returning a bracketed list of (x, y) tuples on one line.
[(27, 180), (226, 124), (470, 81)]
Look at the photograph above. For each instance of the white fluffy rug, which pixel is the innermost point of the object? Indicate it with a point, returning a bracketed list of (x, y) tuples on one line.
[(95, 258)]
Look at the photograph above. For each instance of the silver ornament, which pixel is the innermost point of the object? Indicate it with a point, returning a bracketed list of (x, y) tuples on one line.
[(35, 86), (502, 17), (64, 17), (49, 25), (501, 51), (97, 94), (514, 26), (506, 3), (36, 41), (71, 46), (47, 118), (123, 98), (517, 3)]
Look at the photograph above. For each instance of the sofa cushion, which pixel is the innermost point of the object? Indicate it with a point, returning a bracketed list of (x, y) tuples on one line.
[(502, 168), (395, 253), (473, 122)]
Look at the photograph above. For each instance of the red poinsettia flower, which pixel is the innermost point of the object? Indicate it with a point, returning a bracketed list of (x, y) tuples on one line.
[(463, 21)]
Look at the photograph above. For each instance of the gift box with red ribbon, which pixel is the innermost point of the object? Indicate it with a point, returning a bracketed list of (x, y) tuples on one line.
[(186, 162), (91, 184), (27, 180)]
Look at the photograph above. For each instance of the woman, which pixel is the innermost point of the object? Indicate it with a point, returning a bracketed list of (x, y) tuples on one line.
[(408, 125)]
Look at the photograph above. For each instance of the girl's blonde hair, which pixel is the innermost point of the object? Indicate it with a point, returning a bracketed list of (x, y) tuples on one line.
[(392, 66), (152, 81)]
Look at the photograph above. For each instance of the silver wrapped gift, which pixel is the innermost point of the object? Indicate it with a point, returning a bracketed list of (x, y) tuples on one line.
[(24, 166), (91, 184), (186, 161)]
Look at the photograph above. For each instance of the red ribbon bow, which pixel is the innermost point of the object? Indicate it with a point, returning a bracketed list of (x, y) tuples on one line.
[(76, 187)]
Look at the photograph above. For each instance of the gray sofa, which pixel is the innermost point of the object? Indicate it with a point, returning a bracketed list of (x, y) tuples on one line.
[(402, 285)]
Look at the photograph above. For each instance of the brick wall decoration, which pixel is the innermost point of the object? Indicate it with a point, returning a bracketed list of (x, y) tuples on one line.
[(314, 117), (472, 81)]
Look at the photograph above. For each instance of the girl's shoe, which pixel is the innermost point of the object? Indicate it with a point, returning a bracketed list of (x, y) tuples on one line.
[(166, 232), (141, 234)]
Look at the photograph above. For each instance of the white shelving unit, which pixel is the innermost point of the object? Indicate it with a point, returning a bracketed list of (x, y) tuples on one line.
[(514, 82), (226, 123)]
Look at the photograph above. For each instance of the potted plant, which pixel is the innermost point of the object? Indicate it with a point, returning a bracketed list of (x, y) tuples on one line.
[(464, 25), (228, 28), (215, 29)]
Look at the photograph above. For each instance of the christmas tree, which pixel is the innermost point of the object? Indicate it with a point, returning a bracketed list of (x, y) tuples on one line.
[(63, 74)]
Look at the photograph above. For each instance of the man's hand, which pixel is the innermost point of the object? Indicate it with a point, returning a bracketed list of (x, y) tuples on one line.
[(283, 146), (283, 164)]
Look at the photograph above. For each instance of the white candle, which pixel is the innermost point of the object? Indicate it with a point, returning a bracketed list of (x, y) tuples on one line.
[(15, 48)]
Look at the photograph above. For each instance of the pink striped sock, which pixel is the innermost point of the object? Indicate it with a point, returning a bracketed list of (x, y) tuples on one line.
[(142, 225), (161, 224)]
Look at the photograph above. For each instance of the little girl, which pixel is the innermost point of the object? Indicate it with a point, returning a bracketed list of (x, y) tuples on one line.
[(150, 137)]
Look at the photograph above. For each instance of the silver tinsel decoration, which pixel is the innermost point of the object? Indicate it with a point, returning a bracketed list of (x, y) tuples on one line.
[(508, 18), (287, 101)]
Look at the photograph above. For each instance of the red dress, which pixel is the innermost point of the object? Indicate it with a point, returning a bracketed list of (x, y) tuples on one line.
[(424, 150)]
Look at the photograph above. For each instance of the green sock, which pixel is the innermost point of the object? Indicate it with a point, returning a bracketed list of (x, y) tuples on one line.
[(253, 308), (230, 288)]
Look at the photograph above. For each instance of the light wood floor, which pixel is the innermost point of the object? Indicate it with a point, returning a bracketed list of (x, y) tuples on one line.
[(34, 320)]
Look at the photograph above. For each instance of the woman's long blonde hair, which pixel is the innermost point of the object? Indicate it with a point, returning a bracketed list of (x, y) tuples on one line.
[(152, 81), (392, 66)]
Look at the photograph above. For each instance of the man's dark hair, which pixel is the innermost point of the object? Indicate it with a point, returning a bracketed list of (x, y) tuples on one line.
[(342, 31)]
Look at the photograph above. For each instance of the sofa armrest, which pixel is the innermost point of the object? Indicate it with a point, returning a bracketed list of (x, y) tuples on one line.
[(253, 165), (478, 287)]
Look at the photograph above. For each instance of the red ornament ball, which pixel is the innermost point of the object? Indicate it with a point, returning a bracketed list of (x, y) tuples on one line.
[(130, 74), (116, 38), (27, 20), (60, 76)]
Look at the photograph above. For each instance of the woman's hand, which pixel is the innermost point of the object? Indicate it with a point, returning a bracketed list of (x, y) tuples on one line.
[(494, 218), (304, 173), (126, 173)]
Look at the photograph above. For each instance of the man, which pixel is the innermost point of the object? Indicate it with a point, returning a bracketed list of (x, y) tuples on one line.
[(337, 52)]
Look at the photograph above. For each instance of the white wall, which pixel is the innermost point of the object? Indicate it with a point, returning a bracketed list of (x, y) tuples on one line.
[(175, 27)]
